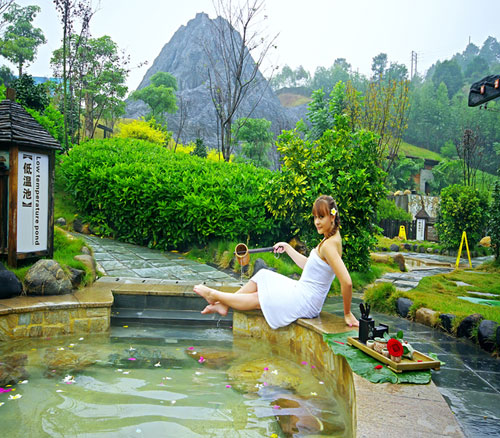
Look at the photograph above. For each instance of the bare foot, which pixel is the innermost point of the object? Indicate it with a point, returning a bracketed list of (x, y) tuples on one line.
[(351, 320), (205, 292), (218, 307)]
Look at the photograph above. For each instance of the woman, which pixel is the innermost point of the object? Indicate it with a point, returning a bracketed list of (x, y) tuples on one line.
[(283, 300)]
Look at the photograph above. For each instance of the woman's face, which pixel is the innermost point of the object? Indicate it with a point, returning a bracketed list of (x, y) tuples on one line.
[(323, 222)]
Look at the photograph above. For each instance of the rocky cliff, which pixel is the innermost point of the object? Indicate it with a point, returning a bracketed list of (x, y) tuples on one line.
[(185, 57)]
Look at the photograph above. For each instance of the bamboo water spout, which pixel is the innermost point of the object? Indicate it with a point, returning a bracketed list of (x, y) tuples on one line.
[(242, 253)]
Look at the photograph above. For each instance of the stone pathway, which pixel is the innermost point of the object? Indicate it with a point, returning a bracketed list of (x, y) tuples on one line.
[(470, 380), (126, 261)]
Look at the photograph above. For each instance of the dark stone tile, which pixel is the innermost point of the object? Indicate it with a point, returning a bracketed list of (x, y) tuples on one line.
[(492, 378), (465, 403), (460, 379), (129, 301), (480, 426)]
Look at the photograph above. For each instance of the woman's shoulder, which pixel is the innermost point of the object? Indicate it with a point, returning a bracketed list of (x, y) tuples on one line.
[(334, 242)]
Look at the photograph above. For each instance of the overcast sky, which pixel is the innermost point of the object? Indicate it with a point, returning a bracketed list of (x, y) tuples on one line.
[(312, 33)]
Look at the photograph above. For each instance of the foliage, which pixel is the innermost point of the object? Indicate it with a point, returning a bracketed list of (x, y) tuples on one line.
[(146, 194), (446, 173), (52, 120), (450, 74), (159, 95), (462, 208), (401, 173), (495, 221), (6, 75), (200, 150), (255, 137), (449, 150), (142, 130), (387, 209), (29, 94), (288, 78), (341, 163), (21, 40)]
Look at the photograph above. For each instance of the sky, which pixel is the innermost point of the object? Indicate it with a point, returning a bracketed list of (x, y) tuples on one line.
[(310, 33)]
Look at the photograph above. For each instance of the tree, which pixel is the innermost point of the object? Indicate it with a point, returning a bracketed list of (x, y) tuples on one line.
[(450, 73), (6, 75), (71, 11), (232, 71), (255, 137), (495, 221), (469, 151), (379, 66), (29, 94), (21, 40), (326, 78), (159, 95)]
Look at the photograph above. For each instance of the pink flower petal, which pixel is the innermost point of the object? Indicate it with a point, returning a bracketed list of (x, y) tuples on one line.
[(228, 386), (378, 367), (191, 348), (265, 383), (276, 407), (201, 359), (312, 366), (266, 369), (5, 390), (304, 362), (338, 342), (132, 358)]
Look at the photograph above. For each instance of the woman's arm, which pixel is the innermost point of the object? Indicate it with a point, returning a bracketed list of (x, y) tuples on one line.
[(299, 259), (330, 251)]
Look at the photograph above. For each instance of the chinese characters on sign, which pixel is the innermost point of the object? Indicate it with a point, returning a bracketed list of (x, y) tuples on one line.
[(32, 202), (420, 229)]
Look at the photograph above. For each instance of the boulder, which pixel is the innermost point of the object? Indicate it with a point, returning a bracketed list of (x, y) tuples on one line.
[(86, 250), (426, 316), (76, 276), (399, 259), (429, 250), (407, 246), (394, 247), (381, 258), (485, 241), (467, 325), (61, 222), (77, 225), (46, 277), (422, 249), (261, 264), (11, 286), (486, 334), (12, 369), (88, 261), (447, 321), (414, 247), (403, 306), (60, 362)]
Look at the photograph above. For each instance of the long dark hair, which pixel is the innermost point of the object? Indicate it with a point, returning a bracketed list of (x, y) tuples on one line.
[(323, 206)]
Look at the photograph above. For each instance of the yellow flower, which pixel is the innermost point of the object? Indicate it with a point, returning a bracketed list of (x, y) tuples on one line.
[(274, 435), (333, 212)]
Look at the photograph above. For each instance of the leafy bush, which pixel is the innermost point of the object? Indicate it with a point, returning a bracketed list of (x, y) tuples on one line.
[(142, 130), (461, 209), (342, 164), (52, 120), (147, 194), (387, 209), (495, 221)]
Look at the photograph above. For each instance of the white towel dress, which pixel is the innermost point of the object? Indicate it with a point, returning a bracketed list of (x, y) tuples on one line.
[(284, 300)]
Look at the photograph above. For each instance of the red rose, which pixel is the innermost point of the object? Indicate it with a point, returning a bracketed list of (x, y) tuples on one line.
[(395, 347)]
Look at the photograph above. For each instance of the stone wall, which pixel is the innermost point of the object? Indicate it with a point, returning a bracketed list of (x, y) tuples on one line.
[(306, 343), (54, 322)]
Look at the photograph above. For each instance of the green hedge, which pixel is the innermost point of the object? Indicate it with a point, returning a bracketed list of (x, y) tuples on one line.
[(146, 194)]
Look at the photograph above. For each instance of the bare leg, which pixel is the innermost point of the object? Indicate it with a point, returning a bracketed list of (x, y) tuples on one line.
[(245, 300), (250, 287)]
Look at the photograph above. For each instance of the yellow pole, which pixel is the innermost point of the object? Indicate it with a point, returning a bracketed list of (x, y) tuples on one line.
[(464, 237)]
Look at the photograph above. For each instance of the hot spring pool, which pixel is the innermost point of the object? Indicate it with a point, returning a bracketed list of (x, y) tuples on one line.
[(156, 381)]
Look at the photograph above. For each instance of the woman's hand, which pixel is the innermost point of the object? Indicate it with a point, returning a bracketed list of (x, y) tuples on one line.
[(280, 247)]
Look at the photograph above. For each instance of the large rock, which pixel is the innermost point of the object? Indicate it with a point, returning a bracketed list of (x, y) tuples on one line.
[(486, 334), (467, 325), (261, 264), (11, 286), (394, 247), (12, 369), (185, 57), (88, 261), (399, 259), (46, 277), (403, 306), (426, 316), (63, 361), (447, 321)]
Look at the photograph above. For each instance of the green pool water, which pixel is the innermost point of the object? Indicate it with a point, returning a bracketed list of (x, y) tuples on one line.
[(148, 381)]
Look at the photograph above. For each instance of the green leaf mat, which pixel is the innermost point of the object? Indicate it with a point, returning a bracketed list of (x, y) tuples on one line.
[(364, 365)]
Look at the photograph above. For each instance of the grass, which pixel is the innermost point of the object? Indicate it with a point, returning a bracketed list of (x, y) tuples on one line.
[(440, 293), (290, 100), (65, 248), (415, 151)]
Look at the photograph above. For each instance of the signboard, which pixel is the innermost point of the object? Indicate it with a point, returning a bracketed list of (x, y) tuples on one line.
[(420, 229), (32, 202)]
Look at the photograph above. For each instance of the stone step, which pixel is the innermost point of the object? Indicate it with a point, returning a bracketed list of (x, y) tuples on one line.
[(122, 316)]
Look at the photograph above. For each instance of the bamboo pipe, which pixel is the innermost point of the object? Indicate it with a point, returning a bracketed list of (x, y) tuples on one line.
[(242, 253)]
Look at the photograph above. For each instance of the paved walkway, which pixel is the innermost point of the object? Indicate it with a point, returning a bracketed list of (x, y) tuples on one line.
[(469, 381)]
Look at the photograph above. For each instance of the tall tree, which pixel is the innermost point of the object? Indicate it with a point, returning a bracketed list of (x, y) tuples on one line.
[(72, 12), (159, 95), (255, 137), (450, 73), (21, 39), (232, 71), (379, 66)]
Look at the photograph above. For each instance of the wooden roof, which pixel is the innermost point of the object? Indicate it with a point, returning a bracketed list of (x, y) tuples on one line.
[(20, 128)]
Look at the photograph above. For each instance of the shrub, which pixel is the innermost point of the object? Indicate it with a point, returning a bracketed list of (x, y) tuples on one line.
[(462, 208), (342, 164), (387, 209), (52, 120), (495, 221), (147, 194), (142, 130)]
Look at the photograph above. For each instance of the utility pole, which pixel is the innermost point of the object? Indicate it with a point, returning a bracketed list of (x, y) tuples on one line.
[(413, 70)]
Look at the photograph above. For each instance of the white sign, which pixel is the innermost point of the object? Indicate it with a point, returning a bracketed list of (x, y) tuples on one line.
[(420, 229), (32, 202)]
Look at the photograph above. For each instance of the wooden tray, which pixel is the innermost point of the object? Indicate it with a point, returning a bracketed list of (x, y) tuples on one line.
[(420, 361)]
